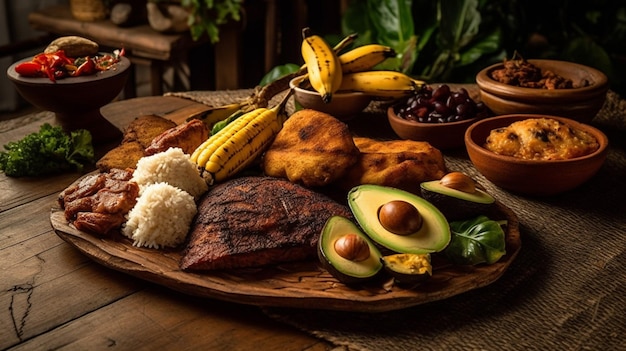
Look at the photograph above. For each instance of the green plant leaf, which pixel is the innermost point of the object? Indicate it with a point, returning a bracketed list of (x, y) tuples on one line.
[(487, 45), (278, 72), (459, 23)]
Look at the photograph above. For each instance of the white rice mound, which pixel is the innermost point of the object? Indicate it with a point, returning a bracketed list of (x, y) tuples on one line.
[(161, 218), (172, 166)]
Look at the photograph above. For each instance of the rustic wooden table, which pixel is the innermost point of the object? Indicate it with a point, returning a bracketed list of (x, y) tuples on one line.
[(53, 297), (564, 291)]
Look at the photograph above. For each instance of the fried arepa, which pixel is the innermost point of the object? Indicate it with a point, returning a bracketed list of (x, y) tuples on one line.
[(401, 164), (313, 149)]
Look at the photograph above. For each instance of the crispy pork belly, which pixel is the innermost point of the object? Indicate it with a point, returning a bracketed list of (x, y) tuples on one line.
[(187, 136), (99, 202)]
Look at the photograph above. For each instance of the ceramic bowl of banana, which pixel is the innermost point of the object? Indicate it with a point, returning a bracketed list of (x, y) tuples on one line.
[(343, 105)]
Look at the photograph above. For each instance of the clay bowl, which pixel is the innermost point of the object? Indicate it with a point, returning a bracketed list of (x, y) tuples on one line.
[(447, 135), (76, 101), (581, 104), (531, 177), (343, 106)]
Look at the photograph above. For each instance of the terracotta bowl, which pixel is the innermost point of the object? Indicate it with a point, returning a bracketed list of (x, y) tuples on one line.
[(447, 135), (343, 105), (581, 104), (76, 101), (530, 177)]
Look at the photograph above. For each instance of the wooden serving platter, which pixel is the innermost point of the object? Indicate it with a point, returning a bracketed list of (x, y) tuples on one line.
[(298, 284)]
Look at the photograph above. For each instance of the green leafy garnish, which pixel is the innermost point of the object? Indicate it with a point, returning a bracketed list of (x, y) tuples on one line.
[(48, 151), (477, 240)]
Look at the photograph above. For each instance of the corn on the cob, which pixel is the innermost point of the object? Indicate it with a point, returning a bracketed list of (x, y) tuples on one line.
[(236, 146)]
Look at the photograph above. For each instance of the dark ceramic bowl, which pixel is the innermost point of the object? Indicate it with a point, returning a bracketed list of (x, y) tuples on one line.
[(581, 104), (76, 101), (532, 177), (447, 135), (343, 105)]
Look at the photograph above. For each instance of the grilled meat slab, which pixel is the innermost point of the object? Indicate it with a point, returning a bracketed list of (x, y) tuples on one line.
[(256, 221)]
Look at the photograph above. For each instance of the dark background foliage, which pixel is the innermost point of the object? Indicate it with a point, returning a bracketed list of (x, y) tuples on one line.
[(452, 40)]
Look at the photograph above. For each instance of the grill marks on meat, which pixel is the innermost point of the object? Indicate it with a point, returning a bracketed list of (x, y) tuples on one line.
[(99, 202), (256, 221)]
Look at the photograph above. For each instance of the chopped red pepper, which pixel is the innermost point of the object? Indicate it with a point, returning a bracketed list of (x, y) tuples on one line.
[(57, 65), (29, 69), (86, 68)]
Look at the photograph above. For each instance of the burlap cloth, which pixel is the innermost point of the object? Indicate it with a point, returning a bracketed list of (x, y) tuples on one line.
[(565, 291)]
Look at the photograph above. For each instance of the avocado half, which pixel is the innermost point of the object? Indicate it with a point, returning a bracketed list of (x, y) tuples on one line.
[(344, 270), (433, 235), (456, 204)]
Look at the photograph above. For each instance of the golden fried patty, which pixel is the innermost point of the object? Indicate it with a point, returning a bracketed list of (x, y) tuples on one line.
[(313, 149)]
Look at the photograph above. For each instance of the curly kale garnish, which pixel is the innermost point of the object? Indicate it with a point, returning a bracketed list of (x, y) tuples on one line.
[(48, 151)]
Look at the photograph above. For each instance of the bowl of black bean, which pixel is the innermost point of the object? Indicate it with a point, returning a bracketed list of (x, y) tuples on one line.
[(438, 115)]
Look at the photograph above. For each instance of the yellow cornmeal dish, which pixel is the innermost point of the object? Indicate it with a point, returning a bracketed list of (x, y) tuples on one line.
[(541, 139)]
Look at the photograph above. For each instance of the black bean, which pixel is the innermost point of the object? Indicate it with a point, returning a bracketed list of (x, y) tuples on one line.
[(442, 92)]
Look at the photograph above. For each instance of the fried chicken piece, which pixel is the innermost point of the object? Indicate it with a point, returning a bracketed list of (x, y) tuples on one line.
[(313, 149), (402, 164), (187, 136)]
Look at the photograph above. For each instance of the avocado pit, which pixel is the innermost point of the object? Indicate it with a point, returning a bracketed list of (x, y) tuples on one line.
[(400, 217), (352, 247), (459, 181)]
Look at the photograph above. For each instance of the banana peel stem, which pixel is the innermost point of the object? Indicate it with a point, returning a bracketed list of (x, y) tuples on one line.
[(283, 102)]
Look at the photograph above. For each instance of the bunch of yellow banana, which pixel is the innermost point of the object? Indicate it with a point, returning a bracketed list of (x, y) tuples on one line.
[(239, 143), (353, 70)]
